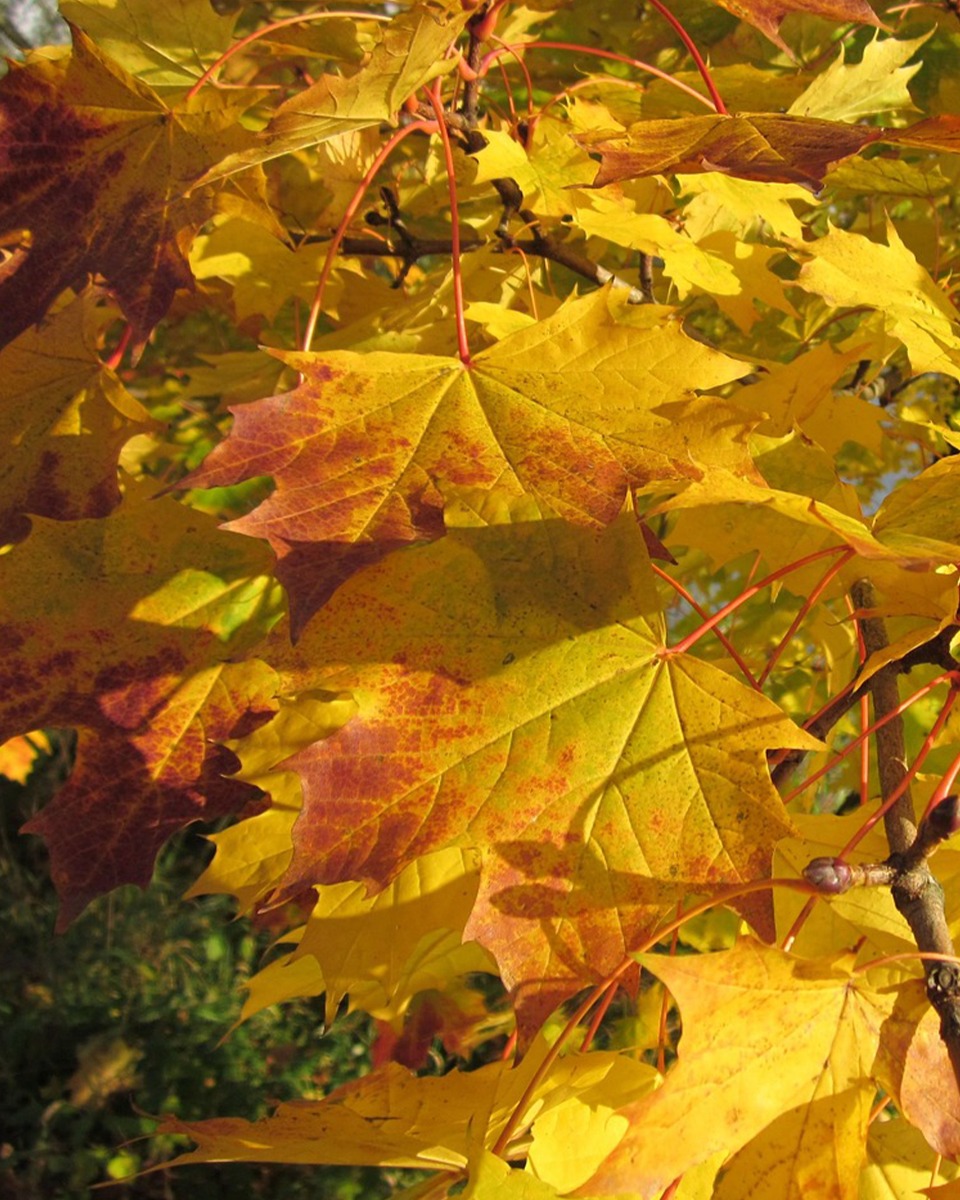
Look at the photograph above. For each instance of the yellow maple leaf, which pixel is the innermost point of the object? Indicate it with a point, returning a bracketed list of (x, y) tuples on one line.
[(818, 1034), (850, 269)]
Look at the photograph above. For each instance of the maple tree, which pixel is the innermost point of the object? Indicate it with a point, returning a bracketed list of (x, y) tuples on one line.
[(504, 455)]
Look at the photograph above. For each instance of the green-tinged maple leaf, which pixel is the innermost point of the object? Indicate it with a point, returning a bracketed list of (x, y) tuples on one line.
[(108, 627), (576, 409), (763, 1034), (876, 84), (164, 45), (888, 177), (394, 1118), (923, 513), (849, 269), (409, 55), (63, 419), (766, 15), (514, 697), (773, 148), (94, 166)]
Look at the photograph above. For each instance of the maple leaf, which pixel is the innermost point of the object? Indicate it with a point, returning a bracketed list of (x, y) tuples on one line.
[(410, 54), (914, 1066), (767, 15), (63, 421), (107, 630), (393, 1116), (816, 1042), (899, 1160), (164, 46), (760, 146), (849, 269), (94, 166), (381, 950), (876, 84), (634, 776), (814, 1149), (576, 410)]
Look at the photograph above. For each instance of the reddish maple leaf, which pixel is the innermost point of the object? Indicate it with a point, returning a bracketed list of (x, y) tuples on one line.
[(771, 148), (131, 649), (767, 15), (94, 168), (367, 449)]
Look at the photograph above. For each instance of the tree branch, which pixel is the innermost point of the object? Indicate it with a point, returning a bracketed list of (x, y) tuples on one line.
[(916, 893), (544, 245), (935, 651), (540, 244)]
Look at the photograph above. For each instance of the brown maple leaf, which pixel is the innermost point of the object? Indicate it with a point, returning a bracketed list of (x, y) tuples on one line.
[(767, 15), (93, 172), (769, 148)]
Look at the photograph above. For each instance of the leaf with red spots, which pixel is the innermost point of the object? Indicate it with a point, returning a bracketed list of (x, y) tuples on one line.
[(514, 696), (769, 147), (63, 418), (108, 628), (135, 785), (93, 170), (576, 410)]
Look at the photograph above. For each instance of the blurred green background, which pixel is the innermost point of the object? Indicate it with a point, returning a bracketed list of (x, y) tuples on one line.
[(125, 1015)]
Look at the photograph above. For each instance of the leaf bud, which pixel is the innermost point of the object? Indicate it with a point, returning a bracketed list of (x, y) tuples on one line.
[(830, 876), (944, 818)]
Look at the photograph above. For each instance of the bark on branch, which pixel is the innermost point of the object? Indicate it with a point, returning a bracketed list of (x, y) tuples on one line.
[(916, 893)]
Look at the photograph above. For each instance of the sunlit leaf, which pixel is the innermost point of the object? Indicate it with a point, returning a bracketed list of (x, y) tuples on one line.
[(577, 410), (108, 629), (876, 84), (818, 1034), (638, 772)]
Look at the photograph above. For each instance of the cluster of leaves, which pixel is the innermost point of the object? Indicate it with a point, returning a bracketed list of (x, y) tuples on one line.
[(548, 346)]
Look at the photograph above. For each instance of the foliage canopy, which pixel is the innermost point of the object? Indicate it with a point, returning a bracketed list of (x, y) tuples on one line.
[(497, 451)]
